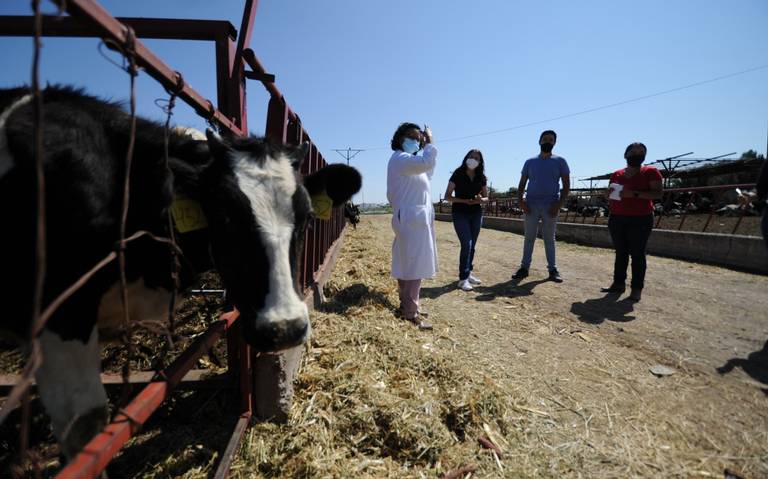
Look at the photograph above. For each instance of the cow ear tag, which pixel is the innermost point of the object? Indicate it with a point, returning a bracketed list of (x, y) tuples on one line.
[(187, 214), (322, 205)]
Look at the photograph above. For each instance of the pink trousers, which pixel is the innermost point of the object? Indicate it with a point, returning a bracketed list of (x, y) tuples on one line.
[(409, 296)]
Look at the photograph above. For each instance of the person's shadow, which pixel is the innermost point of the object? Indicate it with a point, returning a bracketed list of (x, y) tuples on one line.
[(357, 294), (508, 289), (607, 308), (756, 365), (434, 292)]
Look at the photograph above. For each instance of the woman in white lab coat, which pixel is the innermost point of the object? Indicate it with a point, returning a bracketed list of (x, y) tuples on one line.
[(414, 252)]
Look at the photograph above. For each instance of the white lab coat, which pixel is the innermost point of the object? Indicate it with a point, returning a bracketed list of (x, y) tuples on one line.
[(414, 251)]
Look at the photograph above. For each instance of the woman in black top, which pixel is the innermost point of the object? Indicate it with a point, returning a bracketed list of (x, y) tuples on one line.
[(466, 191)]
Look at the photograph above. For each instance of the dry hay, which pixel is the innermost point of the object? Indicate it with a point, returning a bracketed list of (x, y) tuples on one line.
[(182, 439), (377, 398)]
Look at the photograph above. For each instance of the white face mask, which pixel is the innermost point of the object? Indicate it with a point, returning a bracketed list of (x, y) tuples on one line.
[(472, 163)]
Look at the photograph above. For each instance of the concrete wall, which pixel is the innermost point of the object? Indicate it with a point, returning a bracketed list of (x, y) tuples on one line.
[(746, 253)]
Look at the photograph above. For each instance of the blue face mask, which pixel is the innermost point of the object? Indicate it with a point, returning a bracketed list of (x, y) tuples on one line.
[(410, 145)]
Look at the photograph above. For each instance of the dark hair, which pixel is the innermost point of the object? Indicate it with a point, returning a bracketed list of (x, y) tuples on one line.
[(480, 170), (399, 136), (548, 132), (632, 145)]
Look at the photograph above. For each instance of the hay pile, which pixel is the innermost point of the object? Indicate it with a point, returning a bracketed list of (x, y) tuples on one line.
[(377, 398)]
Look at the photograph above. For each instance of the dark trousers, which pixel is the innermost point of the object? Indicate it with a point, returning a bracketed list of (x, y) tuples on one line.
[(630, 235), (467, 226), (764, 225)]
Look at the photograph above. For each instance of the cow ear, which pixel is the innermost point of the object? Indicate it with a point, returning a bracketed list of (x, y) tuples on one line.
[(338, 181), (217, 145), (298, 155)]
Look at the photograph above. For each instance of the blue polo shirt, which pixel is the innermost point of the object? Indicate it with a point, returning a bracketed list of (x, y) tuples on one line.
[(544, 179)]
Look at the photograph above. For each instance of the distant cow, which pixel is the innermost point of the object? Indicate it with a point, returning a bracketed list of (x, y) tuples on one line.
[(252, 213)]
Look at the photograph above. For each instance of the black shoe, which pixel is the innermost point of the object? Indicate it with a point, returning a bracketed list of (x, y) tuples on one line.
[(615, 288), (522, 273), (554, 275)]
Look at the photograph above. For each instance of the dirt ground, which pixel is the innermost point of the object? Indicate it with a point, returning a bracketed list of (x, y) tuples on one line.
[(583, 357), (691, 314), (559, 372), (556, 375)]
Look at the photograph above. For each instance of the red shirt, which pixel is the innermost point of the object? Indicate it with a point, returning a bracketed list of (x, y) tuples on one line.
[(641, 181)]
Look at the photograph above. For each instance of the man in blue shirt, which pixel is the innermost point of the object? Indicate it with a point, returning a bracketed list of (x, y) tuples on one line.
[(542, 202)]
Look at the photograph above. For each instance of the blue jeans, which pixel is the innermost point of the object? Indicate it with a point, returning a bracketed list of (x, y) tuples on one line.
[(548, 223), (467, 226)]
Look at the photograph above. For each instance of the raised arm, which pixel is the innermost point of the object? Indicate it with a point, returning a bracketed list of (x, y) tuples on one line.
[(407, 164)]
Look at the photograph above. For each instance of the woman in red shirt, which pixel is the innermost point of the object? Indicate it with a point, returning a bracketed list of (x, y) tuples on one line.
[(632, 191)]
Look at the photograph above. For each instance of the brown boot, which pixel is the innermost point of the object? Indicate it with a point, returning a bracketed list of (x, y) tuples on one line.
[(420, 323), (636, 294)]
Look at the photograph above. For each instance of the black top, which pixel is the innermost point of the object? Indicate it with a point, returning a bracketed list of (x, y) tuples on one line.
[(466, 189)]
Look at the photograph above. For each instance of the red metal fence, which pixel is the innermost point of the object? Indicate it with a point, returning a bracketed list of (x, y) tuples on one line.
[(673, 211), (88, 19)]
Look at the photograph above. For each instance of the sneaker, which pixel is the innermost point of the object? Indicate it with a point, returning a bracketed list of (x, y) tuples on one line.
[(464, 285), (474, 279), (522, 273), (554, 275)]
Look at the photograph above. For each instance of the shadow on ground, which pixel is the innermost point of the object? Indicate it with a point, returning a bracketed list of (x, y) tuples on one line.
[(190, 431), (509, 289), (607, 308), (358, 294), (437, 291), (756, 365)]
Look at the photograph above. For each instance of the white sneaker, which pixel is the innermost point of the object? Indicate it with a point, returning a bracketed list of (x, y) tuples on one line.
[(474, 279), (464, 285)]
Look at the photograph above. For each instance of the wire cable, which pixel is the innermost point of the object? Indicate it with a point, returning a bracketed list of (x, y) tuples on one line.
[(603, 107)]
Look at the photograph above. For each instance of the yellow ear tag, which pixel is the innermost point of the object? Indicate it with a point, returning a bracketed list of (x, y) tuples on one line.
[(187, 214), (322, 204)]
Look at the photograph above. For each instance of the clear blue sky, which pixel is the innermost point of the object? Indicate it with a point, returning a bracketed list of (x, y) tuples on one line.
[(354, 70)]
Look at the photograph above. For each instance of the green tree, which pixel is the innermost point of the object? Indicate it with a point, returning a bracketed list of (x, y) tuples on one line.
[(749, 155)]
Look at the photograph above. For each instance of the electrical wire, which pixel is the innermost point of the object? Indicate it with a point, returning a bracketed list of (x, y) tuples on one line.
[(602, 107)]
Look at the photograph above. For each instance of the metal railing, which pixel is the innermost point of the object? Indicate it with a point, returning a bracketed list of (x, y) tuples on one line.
[(88, 19), (681, 209)]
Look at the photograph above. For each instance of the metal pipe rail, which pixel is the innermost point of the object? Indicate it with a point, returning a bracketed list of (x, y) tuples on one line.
[(89, 19), (509, 206)]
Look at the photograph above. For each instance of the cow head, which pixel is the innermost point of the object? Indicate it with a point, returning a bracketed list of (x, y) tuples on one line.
[(258, 207)]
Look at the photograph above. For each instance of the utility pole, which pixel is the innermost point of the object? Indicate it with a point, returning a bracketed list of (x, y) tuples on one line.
[(348, 154)]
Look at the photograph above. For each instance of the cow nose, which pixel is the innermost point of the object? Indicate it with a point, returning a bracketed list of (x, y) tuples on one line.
[(272, 336)]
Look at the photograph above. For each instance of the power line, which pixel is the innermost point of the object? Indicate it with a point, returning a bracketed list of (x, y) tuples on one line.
[(603, 107)]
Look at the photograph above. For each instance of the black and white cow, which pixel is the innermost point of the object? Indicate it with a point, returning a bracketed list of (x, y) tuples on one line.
[(256, 208)]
